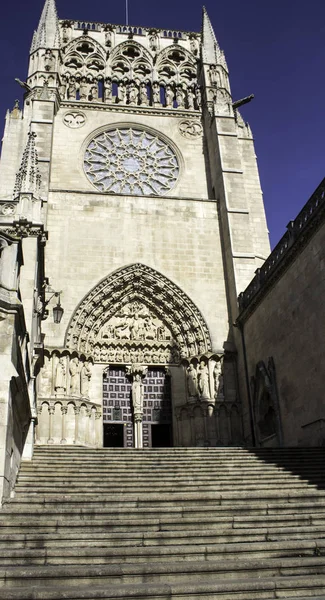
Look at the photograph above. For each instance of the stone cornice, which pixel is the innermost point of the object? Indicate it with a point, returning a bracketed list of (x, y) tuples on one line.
[(297, 236), (125, 108)]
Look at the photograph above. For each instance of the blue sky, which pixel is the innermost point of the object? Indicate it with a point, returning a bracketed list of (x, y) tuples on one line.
[(275, 50)]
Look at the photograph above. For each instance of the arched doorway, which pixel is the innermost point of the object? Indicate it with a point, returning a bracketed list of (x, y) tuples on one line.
[(137, 327)]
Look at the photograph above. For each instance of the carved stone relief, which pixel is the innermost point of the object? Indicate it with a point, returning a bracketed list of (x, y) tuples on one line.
[(137, 315), (74, 120), (190, 128)]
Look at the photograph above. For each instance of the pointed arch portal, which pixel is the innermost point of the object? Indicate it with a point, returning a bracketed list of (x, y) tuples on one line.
[(137, 315)]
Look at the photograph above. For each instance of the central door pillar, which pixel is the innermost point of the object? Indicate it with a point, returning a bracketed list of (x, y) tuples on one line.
[(137, 372)]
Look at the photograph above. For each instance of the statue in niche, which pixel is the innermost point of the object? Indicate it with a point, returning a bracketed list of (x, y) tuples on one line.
[(218, 379), (94, 91), (108, 91), (62, 90), (83, 89), (194, 45), (119, 355), (190, 98), (144, 100), (140, 356), (133, 93), (108, 37), (156, 93), (74, 370), (72, 89), (60, 384), (214, 76), (137, 394), (49, 60), (203, 380), (104, 354), (191, 377), (169, 96), (121, 92), (180, 96), (85, 376), (46, 377), (96, 353), (111, 354), (198, 98), (153, 41)]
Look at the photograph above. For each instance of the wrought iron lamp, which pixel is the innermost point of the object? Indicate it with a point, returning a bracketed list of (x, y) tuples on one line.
[(58, 310)]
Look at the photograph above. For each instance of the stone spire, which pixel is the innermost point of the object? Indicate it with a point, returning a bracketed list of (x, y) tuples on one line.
[(28, 178), (47, 34), (210, 47)]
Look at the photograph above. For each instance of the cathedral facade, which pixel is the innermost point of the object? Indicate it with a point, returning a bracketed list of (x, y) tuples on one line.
[(130, 205)]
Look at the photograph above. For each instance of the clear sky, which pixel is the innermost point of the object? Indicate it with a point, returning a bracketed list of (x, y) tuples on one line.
[(274, 49)]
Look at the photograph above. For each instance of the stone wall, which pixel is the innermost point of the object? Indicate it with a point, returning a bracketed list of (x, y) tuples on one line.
[(282, 322)]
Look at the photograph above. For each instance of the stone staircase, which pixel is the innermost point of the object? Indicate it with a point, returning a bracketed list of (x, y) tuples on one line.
[(177, 523)]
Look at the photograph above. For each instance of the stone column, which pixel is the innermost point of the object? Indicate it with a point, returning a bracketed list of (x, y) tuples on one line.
[(51, 413), (64, 410), (76, 431)]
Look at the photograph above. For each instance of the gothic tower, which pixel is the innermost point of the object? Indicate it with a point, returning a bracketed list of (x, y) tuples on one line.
[(131, 184)]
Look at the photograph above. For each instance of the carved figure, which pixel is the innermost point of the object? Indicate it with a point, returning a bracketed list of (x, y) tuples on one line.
[(144, 100), (121, 92), (72, 89), (137, 394), (85, 376), (156, 93), (153, 41), (133, 93), (60, 376), (94, 92), (48, 60), (108, 91), (180, 96), (74, 370), (213, 75), (83, 89), (190, 98), (218, 379), (191, 376), (96, 353), (194, 45), (108, 38), (198, 98), (104, 354), (169, 95), (203, 380), (46, 377), (62, 90)]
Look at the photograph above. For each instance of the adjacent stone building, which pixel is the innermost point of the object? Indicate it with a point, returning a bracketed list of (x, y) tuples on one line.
[(130, 203)]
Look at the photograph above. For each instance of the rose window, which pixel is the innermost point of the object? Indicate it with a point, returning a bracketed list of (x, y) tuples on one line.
[(131, 161)]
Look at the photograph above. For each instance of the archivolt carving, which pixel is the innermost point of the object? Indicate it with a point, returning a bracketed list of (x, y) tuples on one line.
[(137, 314)]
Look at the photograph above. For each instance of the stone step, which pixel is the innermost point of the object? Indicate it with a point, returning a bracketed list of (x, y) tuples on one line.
[(140, 554), (303, 587), (187, 571), (98, 526), (159, 538)]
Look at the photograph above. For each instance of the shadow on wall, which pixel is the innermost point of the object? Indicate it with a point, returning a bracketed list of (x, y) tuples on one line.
[(307, 464)]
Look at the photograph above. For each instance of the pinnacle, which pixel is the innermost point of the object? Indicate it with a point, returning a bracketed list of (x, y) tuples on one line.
[(47, 34), (210, 46), (28, 177)]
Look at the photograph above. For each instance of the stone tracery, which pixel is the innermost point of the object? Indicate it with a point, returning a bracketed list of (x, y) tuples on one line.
[(130, 161), (137, 315)]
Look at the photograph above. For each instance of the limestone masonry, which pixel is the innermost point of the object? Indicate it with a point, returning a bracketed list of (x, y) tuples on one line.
[(131, 209)]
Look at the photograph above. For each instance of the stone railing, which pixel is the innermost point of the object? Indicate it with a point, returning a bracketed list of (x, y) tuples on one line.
[(69, 422), (296, 232)]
